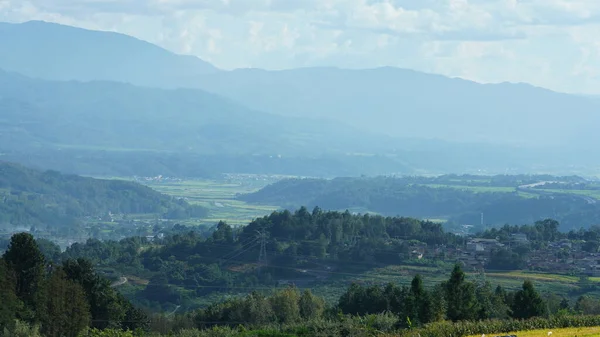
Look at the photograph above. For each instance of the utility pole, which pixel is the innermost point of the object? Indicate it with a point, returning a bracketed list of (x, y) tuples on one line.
[(262, 255)]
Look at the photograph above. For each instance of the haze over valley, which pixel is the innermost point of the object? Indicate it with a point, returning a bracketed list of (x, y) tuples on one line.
[(413, 122), (350, 174)]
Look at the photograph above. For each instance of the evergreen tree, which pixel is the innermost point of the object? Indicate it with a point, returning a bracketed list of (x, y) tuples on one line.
[(419, 299), (528, 303), (460, 295), (564, 304), (106, 307), (9, 302), (499, 301), (27, 262), (63, 310), (439, 305)]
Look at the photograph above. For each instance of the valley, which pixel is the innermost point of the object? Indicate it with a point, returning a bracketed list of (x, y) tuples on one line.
[(146, 193)]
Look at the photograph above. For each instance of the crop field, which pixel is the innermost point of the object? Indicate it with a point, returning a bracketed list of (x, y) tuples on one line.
[(476, 189), (585, 193), (219, 198), (333, 288), (567, 332)]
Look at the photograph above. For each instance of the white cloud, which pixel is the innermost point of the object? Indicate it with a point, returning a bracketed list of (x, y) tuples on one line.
[(551, 43)]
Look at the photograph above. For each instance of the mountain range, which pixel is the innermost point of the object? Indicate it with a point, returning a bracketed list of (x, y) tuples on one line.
[(120, 93)]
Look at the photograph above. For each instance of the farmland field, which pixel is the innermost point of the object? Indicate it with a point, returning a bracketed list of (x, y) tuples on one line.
[(567, 332), (403, 274), (219, 197)]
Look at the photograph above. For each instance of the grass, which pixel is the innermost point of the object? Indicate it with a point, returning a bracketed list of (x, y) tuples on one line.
[(567, 332)]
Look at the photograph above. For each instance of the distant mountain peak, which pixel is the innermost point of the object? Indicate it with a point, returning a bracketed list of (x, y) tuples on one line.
[(59, 52)]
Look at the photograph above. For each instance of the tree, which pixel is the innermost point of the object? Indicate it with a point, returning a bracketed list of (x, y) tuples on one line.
[(311, 306), (587, 306), (528, 303), (27, 261), (10, 303), (63, 311), (419, 301), (105, 305), (460, 295), (223, 233), (285, 305), (50, 250), (499, 301), (438, 304)]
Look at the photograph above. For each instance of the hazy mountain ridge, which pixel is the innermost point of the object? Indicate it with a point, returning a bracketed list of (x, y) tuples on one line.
[(387, 100), (407, 103), (116, 115), (405, 114), (58, 52)]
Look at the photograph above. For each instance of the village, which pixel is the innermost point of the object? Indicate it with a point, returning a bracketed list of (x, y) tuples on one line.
[(560, 257)]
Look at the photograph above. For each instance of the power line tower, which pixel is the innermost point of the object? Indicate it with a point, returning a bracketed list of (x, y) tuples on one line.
[(262, 255)]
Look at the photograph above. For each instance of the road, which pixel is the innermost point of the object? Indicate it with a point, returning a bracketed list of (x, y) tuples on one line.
[(122, 280)]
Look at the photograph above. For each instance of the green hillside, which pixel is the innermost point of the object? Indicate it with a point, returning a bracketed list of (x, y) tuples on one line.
[(57, 202)]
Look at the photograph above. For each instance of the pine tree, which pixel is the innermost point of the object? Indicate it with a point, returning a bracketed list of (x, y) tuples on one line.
[(418, 297), (9, 302), (460, 295), (25, 259), (528, 303), (106, 306), (63, 310)]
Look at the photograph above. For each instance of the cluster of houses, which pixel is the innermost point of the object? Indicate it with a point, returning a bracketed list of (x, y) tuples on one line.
[(563, 256)]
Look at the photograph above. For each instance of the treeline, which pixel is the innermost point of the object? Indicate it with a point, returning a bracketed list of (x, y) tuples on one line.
[(443, 197), (183, 266), (62, 299), (456, 299), (455, 307), (57, 202)]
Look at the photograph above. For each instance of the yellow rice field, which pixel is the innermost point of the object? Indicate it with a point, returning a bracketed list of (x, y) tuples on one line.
[(569, 332)]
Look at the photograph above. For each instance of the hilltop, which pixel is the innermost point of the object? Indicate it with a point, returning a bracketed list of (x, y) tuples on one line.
[(59, 52), (57, 203)]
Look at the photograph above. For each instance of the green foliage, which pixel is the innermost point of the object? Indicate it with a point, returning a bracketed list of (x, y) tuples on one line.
[(27, 262), (63, 311), (460, 297), (22, 329), (60, 202), (310, 306), (528, 303), (285, 304), (587, 305), (106, 333), (64, 301), (10, 303), (460, 199)]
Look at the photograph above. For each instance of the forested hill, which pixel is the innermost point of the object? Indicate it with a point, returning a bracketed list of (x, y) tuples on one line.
[(34, 198), (458, 199)]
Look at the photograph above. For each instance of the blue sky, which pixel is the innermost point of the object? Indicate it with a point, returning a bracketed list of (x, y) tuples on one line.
[(549, 43)]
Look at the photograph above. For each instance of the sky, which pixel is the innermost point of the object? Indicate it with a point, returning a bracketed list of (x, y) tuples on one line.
[(548, 43)]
